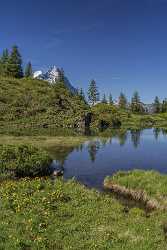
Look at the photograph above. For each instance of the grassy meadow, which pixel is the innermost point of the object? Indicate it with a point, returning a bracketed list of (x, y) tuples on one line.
[(47, 214)]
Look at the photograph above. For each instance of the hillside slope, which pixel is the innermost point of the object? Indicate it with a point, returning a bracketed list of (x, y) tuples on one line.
[(34, 103)]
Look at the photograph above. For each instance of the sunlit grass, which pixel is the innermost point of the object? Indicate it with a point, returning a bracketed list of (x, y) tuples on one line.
[(42, 214)]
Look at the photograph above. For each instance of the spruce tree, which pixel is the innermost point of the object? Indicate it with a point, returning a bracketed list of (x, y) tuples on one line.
[(164, 106), (15, 63), (61, 75), (4, 63), (5, 56), (122, 101), (157, 105), (93, 94), (110, 99), (28, 70), (82, 95), (136, 105), (104, 100)]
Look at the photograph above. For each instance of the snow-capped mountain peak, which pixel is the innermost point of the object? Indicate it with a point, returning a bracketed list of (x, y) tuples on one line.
[(54, 75), (37, 73)]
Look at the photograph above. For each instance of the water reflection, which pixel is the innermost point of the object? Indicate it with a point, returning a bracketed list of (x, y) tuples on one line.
[(122, 136), (135, 137), (98, 157), (93, 148), (156, 132)]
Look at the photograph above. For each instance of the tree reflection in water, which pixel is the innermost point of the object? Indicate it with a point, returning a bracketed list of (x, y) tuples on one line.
[(93, 148), (156, 132), (135, 137), (95, 144)]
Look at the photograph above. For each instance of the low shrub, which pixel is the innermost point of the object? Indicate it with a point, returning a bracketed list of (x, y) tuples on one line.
[(147, 121), (105, 116), (23, 160)]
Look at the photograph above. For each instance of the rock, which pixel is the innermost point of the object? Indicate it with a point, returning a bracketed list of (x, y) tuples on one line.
[(84, 121), (57, 173)]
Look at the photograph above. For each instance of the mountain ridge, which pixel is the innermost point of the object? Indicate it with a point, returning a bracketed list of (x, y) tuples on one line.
[(54, 75)]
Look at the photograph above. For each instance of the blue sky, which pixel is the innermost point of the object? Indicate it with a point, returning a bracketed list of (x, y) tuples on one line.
[(122, 44)]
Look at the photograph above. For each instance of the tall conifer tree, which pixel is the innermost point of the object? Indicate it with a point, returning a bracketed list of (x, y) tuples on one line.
[(157, 105), (136, 105), (93, 94), (81, 93), (110, 99), (28, 70), (104, 100), (4, 63), (164, 106), (15, 63), (122, 101)]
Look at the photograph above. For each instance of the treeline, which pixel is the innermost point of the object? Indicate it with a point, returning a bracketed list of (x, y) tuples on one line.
[(11, 64), (135, 105)]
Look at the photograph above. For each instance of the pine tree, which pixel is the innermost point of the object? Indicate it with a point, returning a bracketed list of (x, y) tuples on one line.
[(104, 100), (93, 94), (5, 56), (136, 105), (4, 63), (15, 63), (164, 106), (111, 99), (28, 70), (157, 105), (122, 101), (61, 75), (82, 95)]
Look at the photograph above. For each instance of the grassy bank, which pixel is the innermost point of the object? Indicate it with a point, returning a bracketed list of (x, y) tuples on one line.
[(154, 183), (57, 147), (139, 121), (41, 214), (43, 141)]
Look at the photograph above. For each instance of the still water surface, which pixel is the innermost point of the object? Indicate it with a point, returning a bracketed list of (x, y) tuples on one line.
[(93, 160)]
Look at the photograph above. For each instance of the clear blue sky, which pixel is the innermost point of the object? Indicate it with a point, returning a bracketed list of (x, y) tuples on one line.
[(122, 44)]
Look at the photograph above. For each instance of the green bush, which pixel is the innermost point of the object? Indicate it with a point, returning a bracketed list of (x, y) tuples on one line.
[(147, 121), (23, 160), (105, 116)]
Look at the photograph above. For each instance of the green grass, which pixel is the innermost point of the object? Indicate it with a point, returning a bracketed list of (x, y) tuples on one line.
[(136, 121), (41, 214), (57, 147), (44, 141)]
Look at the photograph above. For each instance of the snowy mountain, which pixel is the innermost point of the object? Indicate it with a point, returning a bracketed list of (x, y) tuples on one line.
[(54, 75)]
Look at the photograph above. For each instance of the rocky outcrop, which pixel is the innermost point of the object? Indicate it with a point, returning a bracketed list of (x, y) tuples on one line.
[(54, 75), (84, 122)]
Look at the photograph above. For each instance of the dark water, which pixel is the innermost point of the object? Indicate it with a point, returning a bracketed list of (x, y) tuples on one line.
[(92, 161)]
